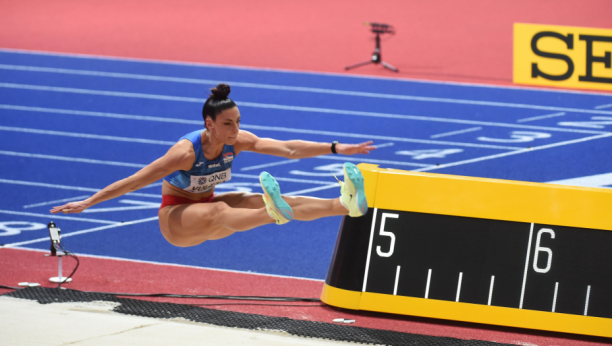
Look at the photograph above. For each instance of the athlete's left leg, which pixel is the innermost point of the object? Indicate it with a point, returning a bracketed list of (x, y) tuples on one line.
[(304, 208), (351, 202)]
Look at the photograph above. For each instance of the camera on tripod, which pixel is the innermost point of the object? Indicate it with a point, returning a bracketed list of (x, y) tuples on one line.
[(378, 29)]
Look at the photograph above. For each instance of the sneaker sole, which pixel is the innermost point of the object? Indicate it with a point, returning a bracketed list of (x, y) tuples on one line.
[(356, 178), (272, 190)]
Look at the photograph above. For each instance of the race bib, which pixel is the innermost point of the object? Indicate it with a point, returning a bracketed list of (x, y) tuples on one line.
[(204, 183)]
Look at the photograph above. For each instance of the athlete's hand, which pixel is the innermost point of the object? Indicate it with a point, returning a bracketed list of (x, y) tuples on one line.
[(352, 149), (70, 208)]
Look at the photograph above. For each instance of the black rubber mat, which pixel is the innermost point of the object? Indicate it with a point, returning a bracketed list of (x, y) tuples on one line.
[(246, 321)]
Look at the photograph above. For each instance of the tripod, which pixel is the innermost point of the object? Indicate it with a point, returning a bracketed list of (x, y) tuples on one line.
[(376, 56)]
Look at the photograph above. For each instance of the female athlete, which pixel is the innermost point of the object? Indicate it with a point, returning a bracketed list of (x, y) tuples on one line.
[(190, 213)]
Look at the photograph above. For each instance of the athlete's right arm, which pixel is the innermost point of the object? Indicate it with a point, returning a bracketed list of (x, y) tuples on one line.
[(180, 157)]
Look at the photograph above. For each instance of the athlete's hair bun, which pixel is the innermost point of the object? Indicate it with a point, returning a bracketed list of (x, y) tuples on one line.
[(221, 91), (217, 102)]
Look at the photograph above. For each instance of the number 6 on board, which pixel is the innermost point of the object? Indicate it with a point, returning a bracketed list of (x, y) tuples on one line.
[(386, 234), (539, 249)]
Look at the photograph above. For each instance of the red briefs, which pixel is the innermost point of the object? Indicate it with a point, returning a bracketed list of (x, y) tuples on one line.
[(174, 200)]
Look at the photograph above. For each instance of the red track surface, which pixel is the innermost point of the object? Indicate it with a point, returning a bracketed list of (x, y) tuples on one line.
[(107, 275), (451, 40)]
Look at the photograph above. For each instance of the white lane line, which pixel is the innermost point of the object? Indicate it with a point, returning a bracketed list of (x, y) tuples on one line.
[(604, 106), (271, 164), (384, 138), (289, 71), (55, 201), (490, 157), (586, 303), (153, 185), (293, 180), (541, 117), (102, 92), (137, 206), (459, 287), (598, 180), (412, 117), (397, 275), (300, 192), (66, 187), (305, 109), (378, 146), (491, 289), (85, 231), (85, 135), (446, 134), (267, 128), (137, 165), (554, 305), (367, 268), (292, 88), (361, 159), (100, 114), (61, 217), (427, 286), (526, 267), (71, 159)]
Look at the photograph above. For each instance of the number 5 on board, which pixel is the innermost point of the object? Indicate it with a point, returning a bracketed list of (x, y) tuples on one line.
[(386, 234)]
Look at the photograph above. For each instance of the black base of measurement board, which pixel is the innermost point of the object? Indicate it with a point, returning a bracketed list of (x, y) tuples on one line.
[(578, 279)]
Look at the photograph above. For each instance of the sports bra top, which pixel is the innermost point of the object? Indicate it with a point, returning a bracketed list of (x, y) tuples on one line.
[(204, 174)]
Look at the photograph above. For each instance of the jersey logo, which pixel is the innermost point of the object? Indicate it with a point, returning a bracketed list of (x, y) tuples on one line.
[(228, 157), (203, 183), (214, 165), (199, 164)]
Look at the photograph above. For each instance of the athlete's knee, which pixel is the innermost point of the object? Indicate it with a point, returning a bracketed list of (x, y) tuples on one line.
[(219, 207), (254, 200)]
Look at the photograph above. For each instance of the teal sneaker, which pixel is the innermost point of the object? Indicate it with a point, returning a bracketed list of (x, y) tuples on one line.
[(352, 191), (276, 207)]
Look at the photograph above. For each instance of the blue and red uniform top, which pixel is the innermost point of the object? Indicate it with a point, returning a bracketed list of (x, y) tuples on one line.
[(204, 174)]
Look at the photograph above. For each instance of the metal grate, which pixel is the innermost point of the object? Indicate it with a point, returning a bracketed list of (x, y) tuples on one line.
[(245, 321)]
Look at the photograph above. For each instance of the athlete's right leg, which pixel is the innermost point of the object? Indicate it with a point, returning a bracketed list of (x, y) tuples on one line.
[(192, 224)]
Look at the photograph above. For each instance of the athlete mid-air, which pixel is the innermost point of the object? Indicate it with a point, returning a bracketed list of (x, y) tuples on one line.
[(190, 213)]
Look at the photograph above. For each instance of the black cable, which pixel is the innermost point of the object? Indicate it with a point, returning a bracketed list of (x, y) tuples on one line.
[(60, 246), (242, 304), (257, 298)]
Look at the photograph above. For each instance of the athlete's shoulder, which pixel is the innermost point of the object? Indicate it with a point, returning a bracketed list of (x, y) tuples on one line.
[(245, 135), (245, 141), (193, 135)]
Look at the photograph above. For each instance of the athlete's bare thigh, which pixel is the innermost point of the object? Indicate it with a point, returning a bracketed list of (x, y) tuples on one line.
[(192, 224), (241, 200)]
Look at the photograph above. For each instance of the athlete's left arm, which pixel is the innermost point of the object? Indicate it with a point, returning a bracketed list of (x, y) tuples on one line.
[(296, 149)]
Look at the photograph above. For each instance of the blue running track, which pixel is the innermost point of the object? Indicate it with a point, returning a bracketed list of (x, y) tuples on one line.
[(70, 125)]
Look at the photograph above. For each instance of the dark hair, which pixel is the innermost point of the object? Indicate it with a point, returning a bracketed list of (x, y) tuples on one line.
[(217, 102)]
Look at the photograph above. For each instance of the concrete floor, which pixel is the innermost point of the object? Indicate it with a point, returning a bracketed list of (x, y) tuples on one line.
[(26, 322)]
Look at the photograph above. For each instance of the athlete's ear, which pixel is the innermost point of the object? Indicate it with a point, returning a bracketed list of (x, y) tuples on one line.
[(208, 123)]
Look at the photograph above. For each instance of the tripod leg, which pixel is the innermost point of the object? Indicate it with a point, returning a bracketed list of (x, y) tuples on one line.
[(357, 65), (389, 66)]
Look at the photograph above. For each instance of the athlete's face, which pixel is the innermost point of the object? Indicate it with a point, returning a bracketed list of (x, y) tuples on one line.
[(226, 127)]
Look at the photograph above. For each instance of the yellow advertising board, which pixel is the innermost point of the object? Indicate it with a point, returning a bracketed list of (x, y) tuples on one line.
[(563, 56)]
